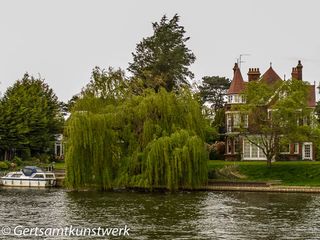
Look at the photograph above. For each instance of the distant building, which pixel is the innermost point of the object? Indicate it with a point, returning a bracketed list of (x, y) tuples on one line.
[(59, 147), (237, 146)]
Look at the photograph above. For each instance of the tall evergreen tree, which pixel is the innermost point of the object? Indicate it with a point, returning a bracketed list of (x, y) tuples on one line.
[(162, 60), (212, 93), (213, 90), (30, 117)]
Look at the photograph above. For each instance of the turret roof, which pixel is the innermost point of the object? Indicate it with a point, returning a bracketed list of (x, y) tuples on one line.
[(237, 83)]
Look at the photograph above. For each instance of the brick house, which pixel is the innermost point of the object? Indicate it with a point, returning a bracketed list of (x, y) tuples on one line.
[(237, 146)]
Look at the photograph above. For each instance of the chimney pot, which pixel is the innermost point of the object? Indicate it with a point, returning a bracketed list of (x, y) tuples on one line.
[(253, 74), (297, 71)]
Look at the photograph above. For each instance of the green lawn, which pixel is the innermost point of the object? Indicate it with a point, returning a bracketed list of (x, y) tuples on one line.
[(300, 173), (59, 165)]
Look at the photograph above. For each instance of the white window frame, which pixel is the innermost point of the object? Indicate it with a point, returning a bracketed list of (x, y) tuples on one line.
[(229, 143), (259, 152), (296, 148), (236, 120), (245, 121), (229, 122), (303, 151), (235, 143), (288, 152), (236, 98), (58, 149), (243, 99)]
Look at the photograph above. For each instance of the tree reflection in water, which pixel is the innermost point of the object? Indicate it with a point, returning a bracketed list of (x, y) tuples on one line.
[(182, 215)]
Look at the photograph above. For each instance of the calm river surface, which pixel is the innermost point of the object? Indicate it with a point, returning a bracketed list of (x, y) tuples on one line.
[(196, 215)]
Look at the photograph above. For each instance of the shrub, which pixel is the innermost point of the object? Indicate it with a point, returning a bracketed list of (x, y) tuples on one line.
[(216, 151), (17, 161), (4, 166), (44, 158), (34, 160), (8, 162)]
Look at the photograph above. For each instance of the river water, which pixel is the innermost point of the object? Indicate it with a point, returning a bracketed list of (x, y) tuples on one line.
[(184, 215)]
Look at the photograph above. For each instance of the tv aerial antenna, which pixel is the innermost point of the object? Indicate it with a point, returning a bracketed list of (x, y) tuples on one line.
[(240, 59)]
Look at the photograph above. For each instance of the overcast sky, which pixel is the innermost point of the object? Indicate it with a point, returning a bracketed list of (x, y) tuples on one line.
[(62, 40)]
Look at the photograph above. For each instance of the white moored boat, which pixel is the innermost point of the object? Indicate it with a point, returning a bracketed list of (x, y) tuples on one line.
[(29, 176)]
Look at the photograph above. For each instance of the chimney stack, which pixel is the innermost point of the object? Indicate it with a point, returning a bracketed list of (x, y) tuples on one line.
[(253, 74), (297, 71)]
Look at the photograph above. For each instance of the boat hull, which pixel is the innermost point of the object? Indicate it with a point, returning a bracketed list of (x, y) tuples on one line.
[(28, 182)]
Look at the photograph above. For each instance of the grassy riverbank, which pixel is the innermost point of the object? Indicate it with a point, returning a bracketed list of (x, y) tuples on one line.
[(298, 173)]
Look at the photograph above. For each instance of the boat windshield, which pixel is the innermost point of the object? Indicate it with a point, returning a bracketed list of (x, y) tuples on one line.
[(28, 171)]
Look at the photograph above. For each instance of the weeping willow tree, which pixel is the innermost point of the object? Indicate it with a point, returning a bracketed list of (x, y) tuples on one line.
[(155, 140)]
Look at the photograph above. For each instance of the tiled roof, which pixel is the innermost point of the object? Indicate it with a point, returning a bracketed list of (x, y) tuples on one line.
[(237, 84), (312, 96), (270, 76)]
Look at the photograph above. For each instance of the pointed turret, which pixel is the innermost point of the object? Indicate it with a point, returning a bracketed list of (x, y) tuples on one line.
[(237, 84)]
